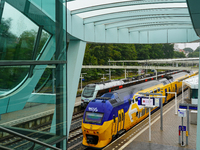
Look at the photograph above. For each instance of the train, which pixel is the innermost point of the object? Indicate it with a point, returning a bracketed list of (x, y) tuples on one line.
[(115, 112), (91, 91)]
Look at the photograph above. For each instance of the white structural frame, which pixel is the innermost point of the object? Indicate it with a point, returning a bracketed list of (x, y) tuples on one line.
[(175, 101)]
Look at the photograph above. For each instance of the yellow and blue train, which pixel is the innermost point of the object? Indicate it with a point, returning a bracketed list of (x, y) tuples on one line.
[(110, 115)]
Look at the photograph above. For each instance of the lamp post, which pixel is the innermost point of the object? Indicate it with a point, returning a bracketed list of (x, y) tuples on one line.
[(82, 78)]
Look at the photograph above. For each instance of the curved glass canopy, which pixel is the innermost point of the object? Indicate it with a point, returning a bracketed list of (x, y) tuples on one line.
[(137, 21)]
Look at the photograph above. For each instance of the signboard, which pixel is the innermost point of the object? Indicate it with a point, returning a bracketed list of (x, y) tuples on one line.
[(182, 113), (182, 128), (147, 101), (157, 102)]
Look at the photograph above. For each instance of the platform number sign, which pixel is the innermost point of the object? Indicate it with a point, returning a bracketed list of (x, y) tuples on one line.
[(182, 128)]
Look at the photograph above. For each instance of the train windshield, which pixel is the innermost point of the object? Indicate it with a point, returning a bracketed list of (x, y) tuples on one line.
[(93, 117), (88, 91)]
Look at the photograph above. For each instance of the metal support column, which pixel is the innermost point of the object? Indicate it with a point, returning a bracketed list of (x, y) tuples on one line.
[(198, 115), (182, 142), (156, 75), (161, 116), (188, 122), (182, 93), (149, 123), (109, 71)]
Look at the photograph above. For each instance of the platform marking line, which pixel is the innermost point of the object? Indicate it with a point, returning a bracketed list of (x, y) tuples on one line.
[(144, 129)]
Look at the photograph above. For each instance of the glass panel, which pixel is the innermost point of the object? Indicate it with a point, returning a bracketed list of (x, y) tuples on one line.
[(10, 77), (18, 34), (33, 100), (44, 38), (91, 117), (45, 84), (17, 38)]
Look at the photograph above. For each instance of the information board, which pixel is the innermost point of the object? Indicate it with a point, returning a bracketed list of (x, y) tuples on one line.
[(145, 101)]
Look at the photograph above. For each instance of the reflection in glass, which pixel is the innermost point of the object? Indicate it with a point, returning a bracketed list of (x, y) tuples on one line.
[(45, 83), (17, 38), (11, 76)]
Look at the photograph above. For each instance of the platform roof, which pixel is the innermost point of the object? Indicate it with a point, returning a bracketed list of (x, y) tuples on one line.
[(130, 21), (192, 82)]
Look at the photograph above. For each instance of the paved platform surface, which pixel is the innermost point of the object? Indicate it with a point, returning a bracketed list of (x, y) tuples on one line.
[(138, 137), (16, 117), (32, 110)]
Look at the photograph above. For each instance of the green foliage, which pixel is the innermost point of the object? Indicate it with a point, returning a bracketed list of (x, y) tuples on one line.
[(179, 54), (14, 47), (168, 50), (195, 53), (99, 54)]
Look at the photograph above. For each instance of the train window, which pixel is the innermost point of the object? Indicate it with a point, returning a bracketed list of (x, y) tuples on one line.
[(155, 90), (147, 110), (88, 91), (114, 118), (136, 99), (158, 89), (122, 116), (137, 114), (93, 117), (143, 111), (151, 92)]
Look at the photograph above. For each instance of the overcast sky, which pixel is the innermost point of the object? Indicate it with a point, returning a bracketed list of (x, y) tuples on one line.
[(190, 45)]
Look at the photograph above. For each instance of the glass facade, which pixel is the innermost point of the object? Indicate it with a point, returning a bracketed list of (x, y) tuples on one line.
[(32, 74)]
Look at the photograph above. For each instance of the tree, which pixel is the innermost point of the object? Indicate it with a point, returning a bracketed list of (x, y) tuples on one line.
[(179, 54), (168, 50), (195, 53)]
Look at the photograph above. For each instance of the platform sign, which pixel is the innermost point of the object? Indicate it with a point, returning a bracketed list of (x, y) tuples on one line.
[(157, 100), (145, 101), (182, 128)]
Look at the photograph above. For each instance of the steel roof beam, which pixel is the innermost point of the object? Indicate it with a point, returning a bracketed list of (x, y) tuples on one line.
[(115, 20), (152, 20), (165, 26), (131, 8), (79, 10), (137, 13)]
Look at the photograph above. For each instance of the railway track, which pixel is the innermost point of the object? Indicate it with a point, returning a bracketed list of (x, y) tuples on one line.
[(17, 143)]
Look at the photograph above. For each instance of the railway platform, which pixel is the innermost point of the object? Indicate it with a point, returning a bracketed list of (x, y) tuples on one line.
[(26, 114), (137, 138)]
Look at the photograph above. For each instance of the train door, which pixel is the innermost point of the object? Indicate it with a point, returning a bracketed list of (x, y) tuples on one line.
[(120, 119), (114, 126), (176, 88), (169, 95), (123, 118), (166, 94)]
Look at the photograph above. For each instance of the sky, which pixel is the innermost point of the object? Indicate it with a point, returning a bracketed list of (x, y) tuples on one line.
[(186, 45)]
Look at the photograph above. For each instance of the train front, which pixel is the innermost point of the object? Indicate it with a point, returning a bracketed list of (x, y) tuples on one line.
[(97, 123)]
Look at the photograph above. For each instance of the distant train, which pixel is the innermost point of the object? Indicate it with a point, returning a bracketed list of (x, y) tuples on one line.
[(91, 91), (110, 115)]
